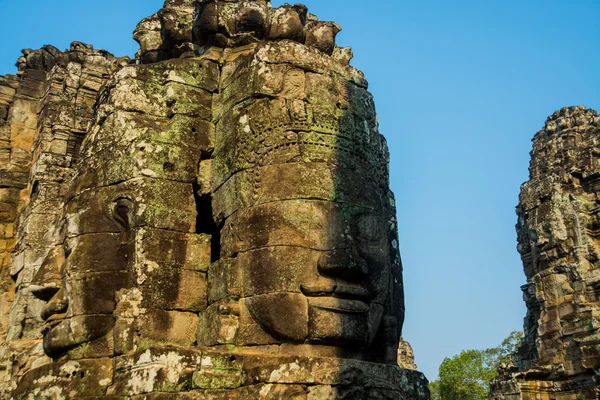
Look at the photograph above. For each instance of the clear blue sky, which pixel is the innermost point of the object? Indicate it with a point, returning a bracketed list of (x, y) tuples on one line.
[(460, 88)]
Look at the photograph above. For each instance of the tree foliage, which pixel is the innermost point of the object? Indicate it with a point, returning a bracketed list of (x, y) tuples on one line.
[(467, 376), (434, 389)]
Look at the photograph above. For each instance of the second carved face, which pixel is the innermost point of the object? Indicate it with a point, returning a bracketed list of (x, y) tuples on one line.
[(83, 272)]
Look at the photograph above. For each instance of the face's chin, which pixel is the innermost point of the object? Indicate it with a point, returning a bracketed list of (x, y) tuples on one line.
[(319, 319), (62, 335), (342, 321), (59, 337)]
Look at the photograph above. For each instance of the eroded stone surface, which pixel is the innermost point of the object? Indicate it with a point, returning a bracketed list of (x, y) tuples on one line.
[(210, 220), (558, 242), (173, 372)]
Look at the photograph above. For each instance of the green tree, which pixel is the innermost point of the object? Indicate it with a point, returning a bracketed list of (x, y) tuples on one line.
[(509, 346), (434, 390), (464, 377), (467, 375)]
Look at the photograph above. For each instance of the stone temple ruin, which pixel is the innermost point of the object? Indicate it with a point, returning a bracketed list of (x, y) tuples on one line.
[(209, 220), (212, 220), (559, 242)]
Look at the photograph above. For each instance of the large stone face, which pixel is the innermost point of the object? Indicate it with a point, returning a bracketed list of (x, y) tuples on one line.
[(210, 220), (558, 242)]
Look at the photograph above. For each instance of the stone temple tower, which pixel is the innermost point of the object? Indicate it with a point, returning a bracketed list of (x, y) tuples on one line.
[(558, 234), (209, 220)]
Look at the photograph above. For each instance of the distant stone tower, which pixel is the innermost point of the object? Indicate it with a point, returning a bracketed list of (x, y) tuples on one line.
[(406, 356), (210, 220), (559, 242)]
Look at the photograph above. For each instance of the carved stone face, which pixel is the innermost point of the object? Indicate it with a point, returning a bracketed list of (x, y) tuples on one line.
[(123, 243), (301, 188), (129, 253), (82, 274), (313, 253), (333, 260)]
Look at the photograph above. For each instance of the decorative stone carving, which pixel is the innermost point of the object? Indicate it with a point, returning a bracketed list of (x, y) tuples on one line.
[(558, 242), (224, 228)]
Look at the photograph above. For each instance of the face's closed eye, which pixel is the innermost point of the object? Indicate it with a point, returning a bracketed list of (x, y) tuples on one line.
[(123, 211), (368, 229)]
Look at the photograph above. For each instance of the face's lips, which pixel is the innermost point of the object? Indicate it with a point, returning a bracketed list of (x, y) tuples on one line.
[(338, 304), (338, 290), (55, 317), (318, 290), (52, 321), (50, 324), (352, 292), (338, 297)]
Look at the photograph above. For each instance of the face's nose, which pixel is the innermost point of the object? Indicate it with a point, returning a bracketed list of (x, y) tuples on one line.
[(343, 263), (47, 284)]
